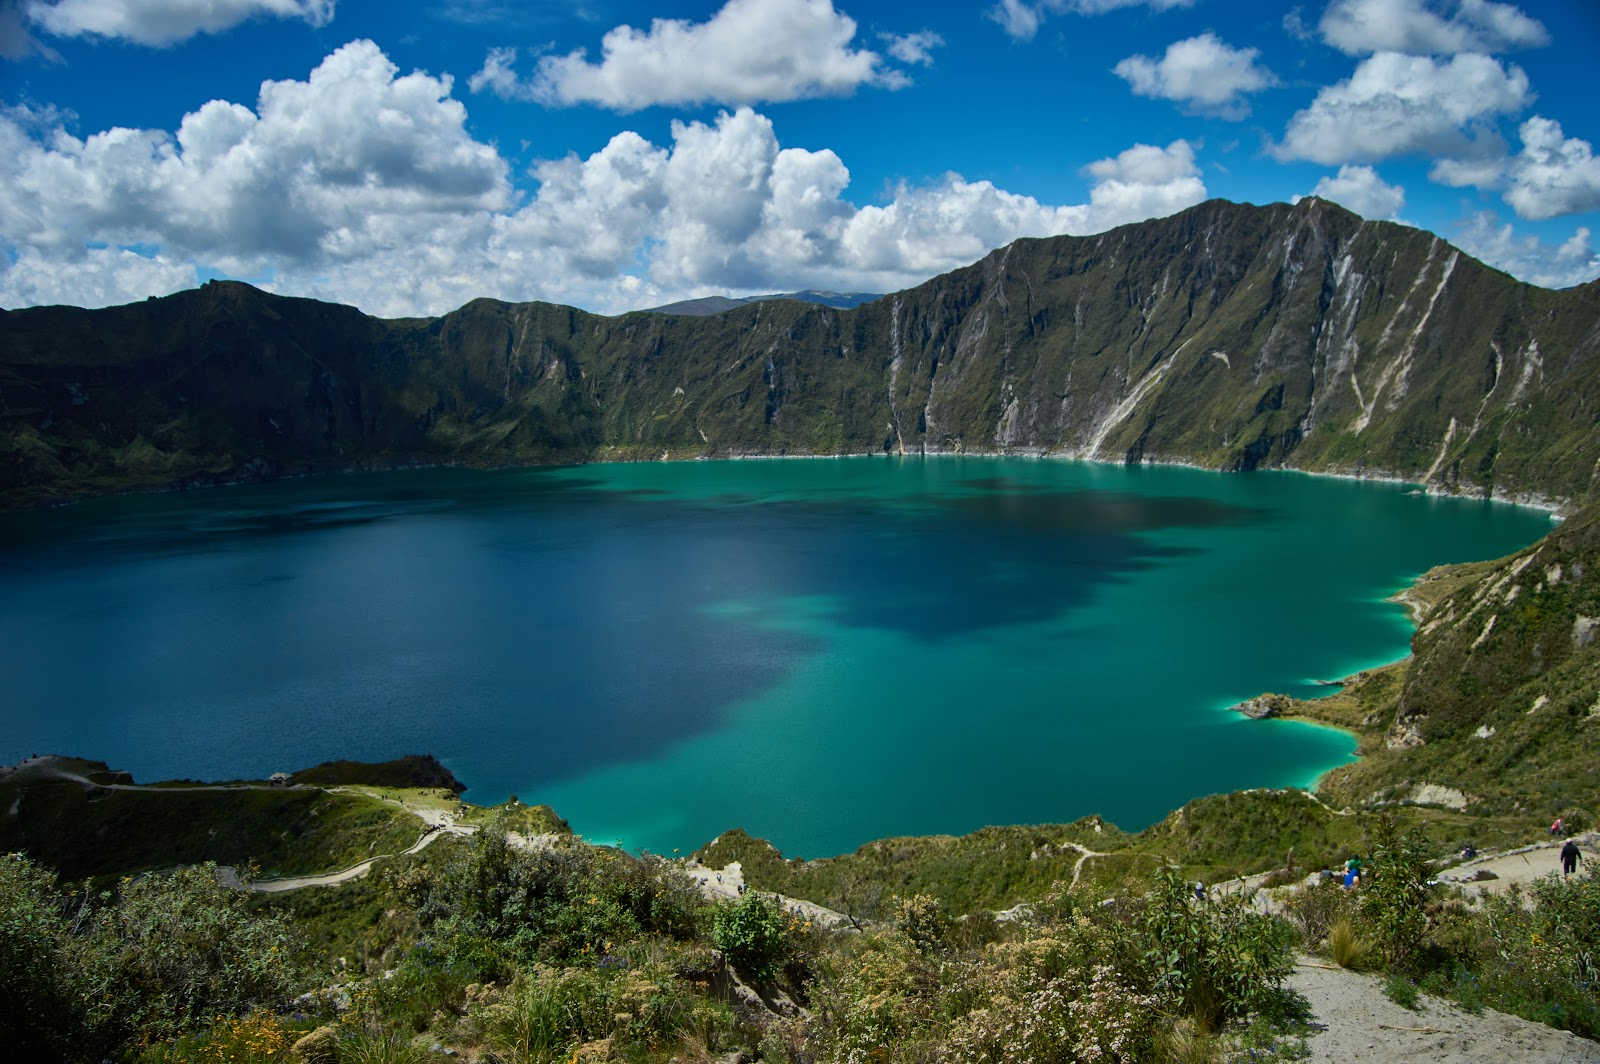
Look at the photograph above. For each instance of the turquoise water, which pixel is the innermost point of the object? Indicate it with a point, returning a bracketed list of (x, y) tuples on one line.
[(822, 652)]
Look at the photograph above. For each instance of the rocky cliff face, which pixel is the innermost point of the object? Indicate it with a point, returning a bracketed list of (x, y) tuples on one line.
[(1229, 336)]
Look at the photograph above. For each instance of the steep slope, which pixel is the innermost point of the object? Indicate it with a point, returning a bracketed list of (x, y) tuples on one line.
[(1230, 336)]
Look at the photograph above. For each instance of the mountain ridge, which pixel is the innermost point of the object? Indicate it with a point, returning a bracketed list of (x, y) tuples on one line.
[(1227, 336)]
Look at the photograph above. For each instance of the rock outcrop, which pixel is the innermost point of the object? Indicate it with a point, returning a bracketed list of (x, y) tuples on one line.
[(1263, 706)]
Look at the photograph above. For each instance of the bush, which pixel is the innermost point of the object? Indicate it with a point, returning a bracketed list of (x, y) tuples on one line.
[(259, 1038), (559, 902), (1402, 991), (40, 1008), (1542, 961), (1214, 960), (1314, 911), (1084, 1014), (165, 957), (751, 934), (923, 921), (174, 951), (1395, 898)]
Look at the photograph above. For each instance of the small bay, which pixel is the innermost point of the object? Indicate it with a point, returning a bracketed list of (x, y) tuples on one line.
[(822, 652)]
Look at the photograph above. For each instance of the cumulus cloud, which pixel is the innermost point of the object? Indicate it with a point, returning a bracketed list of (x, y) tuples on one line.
[(749, 51), (353, 161), (1202, 73), (1553, 174), (1022, 19), (1360, 189), (98, 277), (164, 22), (1528, 258), (1360, 27), (362, 185), (1394, 104)]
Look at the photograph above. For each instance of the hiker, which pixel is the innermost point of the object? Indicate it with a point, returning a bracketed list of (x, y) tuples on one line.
[(1555, 829), (1468, 853), (1199, 891), (1570, 858), (1352, 872)]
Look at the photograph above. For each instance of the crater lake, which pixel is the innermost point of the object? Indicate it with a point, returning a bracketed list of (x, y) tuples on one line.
[(822, 652)]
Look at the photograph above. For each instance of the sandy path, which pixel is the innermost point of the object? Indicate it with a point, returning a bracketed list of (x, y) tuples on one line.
[(1361, 1026), (1521, 866), (355, 871)]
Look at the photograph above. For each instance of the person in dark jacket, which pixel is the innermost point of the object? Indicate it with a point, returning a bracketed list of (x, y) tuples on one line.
[(1570, 858)]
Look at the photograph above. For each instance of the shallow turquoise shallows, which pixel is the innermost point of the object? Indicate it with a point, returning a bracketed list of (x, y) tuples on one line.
[(822, 652)]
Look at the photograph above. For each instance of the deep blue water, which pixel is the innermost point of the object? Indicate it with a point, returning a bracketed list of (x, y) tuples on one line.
[(821, 652)]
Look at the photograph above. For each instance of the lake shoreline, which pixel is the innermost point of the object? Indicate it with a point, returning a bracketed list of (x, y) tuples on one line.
[(1556, 506), (1247, 645)]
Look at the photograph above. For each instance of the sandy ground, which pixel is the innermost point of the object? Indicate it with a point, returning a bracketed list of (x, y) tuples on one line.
[(1521, 866), (727, 884), (1359, 1025)]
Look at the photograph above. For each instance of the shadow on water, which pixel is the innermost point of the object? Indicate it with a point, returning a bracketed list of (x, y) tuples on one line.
[(549, 619)]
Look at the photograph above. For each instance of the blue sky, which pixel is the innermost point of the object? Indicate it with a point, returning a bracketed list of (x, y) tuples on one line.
[(406, 157)]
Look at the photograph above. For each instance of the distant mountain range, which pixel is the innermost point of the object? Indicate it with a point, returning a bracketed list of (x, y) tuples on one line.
[(1228, 336), (717, 304)]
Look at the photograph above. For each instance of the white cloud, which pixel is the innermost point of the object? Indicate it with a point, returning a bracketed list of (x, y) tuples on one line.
[(1395, 104), (361, 185), (1201, 72), (96, 277), (1360, 27), (1360, 189), (1552, 175), (1528, 258), (913, 49), (163, 22), (351, 162), (1022, 19), (1482, 171), (749, 51)]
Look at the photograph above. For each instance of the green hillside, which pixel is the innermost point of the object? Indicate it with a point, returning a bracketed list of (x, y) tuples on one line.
[(1230, 336)]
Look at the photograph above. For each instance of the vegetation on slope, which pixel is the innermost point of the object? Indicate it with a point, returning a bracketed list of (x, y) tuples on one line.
[(1227, 335), (1500, 701), (115, 828)]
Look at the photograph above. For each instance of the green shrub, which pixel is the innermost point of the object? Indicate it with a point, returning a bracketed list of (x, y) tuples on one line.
[(1084, 1014), (1401, 990), (1395, 895), (752, 934), (40, 990), (381, 1046), (164, 957), (1214, 960), (174, 951), (1542, 960)]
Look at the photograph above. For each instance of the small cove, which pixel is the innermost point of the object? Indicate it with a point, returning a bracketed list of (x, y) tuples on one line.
[(821, 652)]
